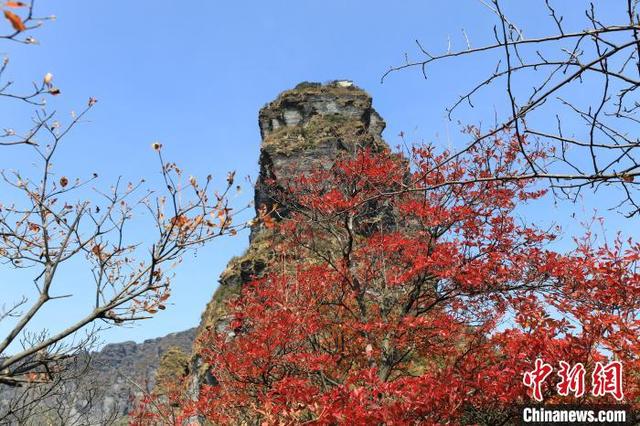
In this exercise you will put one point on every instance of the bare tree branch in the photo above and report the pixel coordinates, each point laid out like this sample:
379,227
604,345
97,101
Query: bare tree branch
602,148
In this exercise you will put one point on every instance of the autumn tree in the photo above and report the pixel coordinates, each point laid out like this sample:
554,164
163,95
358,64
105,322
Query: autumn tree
50,219
535,78
415,307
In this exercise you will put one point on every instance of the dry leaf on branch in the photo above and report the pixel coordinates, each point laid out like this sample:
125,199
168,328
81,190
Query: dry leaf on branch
16,21
15,4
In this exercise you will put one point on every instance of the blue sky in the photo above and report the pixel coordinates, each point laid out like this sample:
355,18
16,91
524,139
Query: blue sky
193,76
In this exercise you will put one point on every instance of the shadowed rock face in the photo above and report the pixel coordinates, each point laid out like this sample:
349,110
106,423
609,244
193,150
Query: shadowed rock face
302,129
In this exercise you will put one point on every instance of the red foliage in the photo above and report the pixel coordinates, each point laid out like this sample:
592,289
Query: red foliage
422,306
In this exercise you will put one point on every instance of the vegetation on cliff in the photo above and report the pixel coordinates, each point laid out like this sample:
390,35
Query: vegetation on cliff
372,296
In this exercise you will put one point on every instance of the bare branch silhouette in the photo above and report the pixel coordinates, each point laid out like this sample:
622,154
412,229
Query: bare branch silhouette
591,143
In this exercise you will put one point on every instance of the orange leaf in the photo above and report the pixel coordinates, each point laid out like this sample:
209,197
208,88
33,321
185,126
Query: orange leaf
179,221
15,4
96,250
15,20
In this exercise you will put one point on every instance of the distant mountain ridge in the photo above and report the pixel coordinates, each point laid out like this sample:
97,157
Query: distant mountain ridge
117,364
118,375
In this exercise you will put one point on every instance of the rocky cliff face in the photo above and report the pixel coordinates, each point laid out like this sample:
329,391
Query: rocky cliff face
305,128
302,129
122,367
105,384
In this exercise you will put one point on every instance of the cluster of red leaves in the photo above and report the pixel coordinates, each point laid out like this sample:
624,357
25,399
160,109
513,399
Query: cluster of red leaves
162,406
400,300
